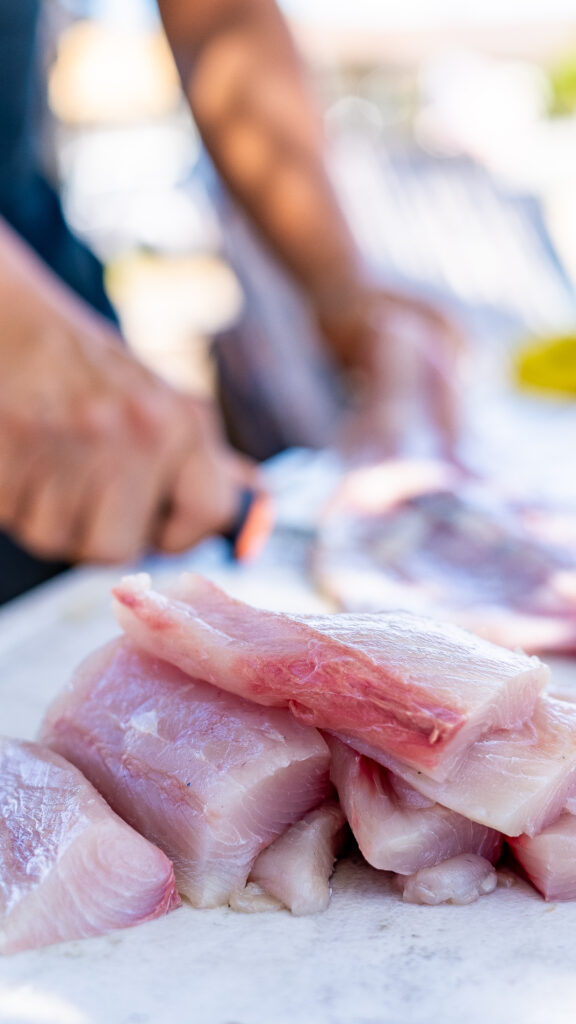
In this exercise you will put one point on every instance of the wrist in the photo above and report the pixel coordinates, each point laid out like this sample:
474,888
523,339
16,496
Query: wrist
350,322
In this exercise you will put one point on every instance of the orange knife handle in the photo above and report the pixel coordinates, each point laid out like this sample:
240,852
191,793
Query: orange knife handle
253,525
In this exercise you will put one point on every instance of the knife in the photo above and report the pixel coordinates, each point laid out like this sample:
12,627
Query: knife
252,525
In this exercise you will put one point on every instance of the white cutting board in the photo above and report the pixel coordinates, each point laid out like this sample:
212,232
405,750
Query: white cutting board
369,959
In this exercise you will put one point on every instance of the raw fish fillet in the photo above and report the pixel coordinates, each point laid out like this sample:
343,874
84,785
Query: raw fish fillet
393,831
207,776
549,859
417,535
296,868
514,781
409,686
460,880
570,804
252,899
69,867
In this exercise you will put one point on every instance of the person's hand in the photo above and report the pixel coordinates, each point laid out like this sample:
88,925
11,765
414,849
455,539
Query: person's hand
403,358
98,457
205,491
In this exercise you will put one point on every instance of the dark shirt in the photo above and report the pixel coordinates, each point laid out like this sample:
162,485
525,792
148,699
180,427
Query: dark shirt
27,200
31,206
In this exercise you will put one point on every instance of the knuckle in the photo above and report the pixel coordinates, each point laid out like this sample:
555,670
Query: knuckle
96,420
148,414
157,418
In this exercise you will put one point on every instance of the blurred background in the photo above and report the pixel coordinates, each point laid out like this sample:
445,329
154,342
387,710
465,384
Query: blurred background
452,132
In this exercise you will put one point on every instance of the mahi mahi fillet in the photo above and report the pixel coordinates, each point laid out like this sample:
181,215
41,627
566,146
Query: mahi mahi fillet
209,777
411,687
296,869
515,781
69,867
395,827
460,880
549,859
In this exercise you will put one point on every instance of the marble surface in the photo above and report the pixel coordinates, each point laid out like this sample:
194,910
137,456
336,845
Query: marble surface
369,959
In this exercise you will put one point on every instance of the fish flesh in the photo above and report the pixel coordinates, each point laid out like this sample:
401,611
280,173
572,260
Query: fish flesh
418,535
207,776
393,830
253,899
460,880
411,687
549,859
296,868
69,867
515,781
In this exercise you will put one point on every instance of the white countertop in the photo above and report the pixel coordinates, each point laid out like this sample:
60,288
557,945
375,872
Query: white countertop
369,959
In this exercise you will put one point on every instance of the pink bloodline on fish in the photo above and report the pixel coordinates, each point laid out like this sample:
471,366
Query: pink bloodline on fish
418,689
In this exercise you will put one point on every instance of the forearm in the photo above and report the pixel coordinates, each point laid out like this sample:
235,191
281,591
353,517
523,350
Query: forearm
250,99
33,300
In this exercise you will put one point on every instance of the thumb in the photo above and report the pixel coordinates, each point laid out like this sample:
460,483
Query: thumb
205,498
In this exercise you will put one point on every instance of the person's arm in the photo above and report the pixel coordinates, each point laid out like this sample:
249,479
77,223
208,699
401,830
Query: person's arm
98,457
249,95
250,98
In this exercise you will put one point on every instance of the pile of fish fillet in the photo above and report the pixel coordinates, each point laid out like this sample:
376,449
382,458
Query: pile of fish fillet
226,755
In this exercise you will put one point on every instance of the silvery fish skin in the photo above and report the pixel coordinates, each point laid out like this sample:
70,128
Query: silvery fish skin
393,830
209,777
69,867
408,686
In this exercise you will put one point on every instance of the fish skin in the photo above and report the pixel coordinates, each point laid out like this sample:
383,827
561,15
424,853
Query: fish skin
460,880
69,867
515,781
296,868
392,833
207,776
406,685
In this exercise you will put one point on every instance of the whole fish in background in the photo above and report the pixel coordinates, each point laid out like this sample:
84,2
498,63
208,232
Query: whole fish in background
419,535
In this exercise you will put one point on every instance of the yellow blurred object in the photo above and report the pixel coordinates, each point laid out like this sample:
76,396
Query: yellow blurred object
168,307
104,75
548,364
